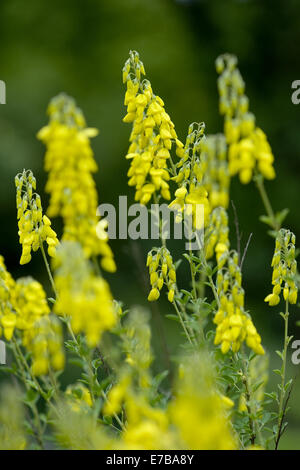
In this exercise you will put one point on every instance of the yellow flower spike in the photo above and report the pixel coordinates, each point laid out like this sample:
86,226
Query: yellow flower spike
161,269
249,150
234,326
34,227
70,163
82,296
284,267
152,135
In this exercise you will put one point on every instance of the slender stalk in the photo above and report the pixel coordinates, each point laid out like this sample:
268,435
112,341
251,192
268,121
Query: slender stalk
266,201
182,315
281,410
48,268
21,361
248,402
213,288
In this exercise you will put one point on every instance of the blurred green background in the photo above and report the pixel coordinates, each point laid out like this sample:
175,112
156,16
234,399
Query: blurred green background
80,46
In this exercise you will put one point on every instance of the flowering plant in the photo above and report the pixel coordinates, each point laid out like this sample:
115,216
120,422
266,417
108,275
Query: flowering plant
213,394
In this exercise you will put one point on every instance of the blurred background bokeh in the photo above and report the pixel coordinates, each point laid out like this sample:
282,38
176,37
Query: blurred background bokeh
80,46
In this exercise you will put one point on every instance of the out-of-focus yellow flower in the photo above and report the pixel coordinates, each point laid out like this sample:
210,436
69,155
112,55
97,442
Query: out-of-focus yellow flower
82,296
34,227
148,427
198,411
30,302
249,150
8,316
79,397
70,163
45,343
152,135
12,418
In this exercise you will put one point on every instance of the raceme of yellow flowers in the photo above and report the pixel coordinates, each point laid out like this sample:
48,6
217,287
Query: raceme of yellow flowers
152,135
189,176
216,177
34,227
161,271
217,234
24,308
70,163
234,325
83,296
249,150
284,269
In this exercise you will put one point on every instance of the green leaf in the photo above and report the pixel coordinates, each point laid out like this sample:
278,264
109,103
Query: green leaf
173,317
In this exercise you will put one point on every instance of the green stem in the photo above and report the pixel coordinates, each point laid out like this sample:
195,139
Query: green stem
248,400
266,201
48,268
283,375
213,288
182,314
36,417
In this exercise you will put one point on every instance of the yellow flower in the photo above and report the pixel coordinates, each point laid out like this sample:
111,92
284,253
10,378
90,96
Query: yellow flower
82,296
190,169
45,343
70,163
218,235
152,134
197,410
249,151
161,271
34,227
284,269
234,326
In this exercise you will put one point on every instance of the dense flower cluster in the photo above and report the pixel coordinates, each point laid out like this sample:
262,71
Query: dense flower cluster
152,135
284,269
82,295
189,176
24,307
217,235
249,150
70,163
8,317
45,343
161,271
34,227
234,325
198,401
30,302
216,177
